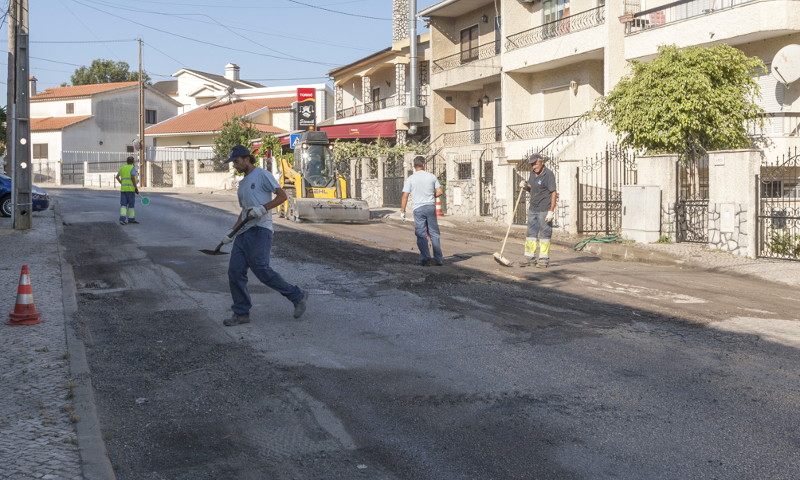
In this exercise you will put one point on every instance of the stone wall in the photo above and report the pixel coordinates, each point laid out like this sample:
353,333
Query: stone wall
462,197
728,227
371,192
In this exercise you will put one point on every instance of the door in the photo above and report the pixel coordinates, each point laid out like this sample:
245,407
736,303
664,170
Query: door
469,44
556,103
498,35
475,123
376,99
498,119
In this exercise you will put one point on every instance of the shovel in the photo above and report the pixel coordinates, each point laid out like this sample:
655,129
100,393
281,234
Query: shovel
499,258
232,234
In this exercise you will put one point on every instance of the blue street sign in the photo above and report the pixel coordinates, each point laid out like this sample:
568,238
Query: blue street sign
293,138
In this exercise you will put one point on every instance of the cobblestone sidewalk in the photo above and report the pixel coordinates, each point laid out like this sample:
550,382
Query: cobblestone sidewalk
37,434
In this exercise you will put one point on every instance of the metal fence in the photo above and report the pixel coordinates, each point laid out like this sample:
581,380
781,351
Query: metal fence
600,181
778,221
487,50
44,171
677,11
545,128
569,24
691,209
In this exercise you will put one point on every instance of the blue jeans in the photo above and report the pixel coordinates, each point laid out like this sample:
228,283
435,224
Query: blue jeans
251,250
426,224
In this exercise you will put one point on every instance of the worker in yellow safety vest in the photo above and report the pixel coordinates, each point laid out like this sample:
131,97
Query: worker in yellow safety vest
127,196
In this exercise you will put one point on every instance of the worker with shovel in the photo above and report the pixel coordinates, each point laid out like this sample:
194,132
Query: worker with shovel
542,186
252,238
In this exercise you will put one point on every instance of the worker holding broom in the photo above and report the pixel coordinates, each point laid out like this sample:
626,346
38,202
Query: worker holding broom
542,186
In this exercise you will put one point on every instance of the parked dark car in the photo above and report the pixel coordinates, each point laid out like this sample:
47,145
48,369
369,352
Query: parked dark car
41,200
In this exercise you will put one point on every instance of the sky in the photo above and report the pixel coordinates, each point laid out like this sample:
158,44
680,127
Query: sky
274,42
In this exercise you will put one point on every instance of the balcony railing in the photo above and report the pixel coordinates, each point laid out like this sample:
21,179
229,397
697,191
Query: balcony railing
677,11
450,62
472,137
546,128
570,24
381,104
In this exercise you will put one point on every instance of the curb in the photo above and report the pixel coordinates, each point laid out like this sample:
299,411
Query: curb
95,463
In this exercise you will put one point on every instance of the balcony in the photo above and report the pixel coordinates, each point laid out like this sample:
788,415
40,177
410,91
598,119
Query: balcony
579,40
778,124
567,126
677,11
472,137
703,22
468,69
570,24
380,105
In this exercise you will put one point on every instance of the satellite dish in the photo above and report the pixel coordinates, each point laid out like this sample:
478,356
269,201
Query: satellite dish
786,64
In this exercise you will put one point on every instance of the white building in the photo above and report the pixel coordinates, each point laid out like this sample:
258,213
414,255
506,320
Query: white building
97,117
194,88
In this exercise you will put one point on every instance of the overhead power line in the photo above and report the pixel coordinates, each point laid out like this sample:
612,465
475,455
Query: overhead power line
338,11
203,42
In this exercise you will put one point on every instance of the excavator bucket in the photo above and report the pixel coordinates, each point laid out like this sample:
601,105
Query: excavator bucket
347,210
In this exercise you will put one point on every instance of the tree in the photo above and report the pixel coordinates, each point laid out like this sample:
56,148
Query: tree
235,131
685,100
105,71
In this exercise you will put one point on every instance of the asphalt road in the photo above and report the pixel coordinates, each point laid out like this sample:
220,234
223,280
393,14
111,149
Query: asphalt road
590,369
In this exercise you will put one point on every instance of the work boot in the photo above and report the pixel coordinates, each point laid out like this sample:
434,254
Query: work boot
123,222
525,263
543,263
439,263
236,320
423,263
132,221
300,306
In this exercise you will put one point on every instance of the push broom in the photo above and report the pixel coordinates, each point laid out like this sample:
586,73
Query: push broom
498,256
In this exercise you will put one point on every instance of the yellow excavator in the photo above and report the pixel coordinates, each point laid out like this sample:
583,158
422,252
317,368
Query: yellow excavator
316,191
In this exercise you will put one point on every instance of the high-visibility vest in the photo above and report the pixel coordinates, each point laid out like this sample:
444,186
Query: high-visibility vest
125,176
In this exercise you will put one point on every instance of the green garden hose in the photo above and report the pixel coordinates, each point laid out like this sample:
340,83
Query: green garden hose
609,239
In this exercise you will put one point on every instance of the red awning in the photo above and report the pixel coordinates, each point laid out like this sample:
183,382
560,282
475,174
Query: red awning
385,129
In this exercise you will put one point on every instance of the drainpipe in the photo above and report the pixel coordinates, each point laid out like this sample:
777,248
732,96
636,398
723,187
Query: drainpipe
412,36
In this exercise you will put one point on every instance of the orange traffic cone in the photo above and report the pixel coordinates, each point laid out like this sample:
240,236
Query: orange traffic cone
439,208
24,311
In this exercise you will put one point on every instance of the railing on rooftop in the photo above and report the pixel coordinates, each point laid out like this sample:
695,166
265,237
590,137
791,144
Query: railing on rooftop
487,50
677,11
569,24
376,105
567,126
471,137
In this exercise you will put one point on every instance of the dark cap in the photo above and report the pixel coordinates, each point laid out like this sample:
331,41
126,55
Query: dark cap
532,158
236,152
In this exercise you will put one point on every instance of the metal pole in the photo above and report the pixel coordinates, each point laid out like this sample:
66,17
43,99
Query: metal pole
413,60
142,148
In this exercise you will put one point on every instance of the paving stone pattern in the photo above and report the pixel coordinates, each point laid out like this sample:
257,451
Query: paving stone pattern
37,436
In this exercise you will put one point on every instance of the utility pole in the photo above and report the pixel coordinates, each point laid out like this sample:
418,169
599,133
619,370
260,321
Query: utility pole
18,113
142,147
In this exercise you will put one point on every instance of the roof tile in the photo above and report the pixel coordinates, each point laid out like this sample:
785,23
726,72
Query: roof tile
210,119
80,90
55,123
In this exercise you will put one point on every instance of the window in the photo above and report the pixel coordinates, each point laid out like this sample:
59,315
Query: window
40,151
129,149
70,108
150,116
464,171
469,44
554,13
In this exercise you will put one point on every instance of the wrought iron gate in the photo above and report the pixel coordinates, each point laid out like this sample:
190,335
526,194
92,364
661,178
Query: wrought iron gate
691,209
161,174
393,181
600,180
72,173
778,200
487,186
